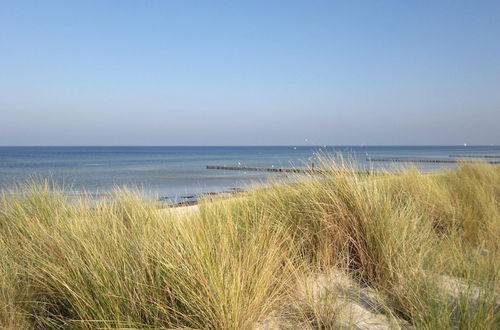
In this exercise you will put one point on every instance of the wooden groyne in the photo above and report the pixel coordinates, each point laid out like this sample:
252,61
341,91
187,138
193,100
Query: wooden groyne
265,169
452,161
475,156
187,200
311,170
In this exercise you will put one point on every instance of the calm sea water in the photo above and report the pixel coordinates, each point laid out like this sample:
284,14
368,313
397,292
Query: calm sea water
178,171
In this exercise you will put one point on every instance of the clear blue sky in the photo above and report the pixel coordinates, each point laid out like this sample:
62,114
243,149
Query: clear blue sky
249,73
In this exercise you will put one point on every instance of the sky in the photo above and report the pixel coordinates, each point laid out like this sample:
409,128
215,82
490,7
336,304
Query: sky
249,72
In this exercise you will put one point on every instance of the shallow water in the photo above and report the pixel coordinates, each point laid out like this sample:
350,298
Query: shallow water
180,171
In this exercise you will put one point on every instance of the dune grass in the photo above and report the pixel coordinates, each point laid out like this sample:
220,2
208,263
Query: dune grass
425,247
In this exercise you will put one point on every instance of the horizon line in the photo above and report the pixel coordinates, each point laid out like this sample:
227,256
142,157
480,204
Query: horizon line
256,145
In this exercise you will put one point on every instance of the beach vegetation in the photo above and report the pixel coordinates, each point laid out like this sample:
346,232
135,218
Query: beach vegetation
340,249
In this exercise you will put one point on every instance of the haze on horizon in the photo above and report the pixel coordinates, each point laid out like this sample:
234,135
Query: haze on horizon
249,73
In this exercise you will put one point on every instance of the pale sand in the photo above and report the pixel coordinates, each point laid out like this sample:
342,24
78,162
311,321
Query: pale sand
183,210
178,211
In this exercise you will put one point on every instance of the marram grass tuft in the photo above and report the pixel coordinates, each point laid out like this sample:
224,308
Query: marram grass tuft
424,247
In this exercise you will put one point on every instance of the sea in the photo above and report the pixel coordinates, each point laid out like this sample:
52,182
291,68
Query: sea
177,174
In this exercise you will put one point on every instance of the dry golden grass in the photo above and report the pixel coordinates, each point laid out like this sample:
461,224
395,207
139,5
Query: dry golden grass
426,244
